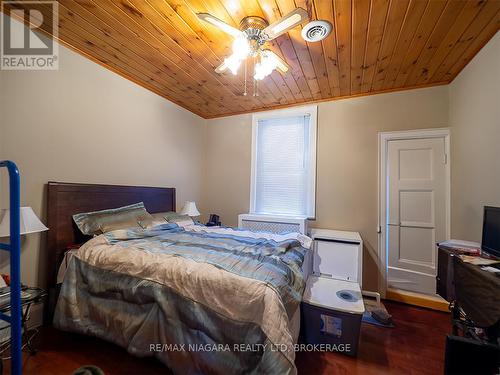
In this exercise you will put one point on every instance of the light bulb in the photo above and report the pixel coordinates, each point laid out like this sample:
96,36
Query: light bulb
259,72
232,63
241,48
262,70
265,67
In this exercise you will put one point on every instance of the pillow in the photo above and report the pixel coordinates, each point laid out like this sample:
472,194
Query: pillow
174,217
115,225
90,223
152,221
165,217
161,216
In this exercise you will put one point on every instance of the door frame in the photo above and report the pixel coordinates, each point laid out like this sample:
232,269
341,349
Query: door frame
383,143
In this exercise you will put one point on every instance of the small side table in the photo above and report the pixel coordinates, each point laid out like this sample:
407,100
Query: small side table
29,297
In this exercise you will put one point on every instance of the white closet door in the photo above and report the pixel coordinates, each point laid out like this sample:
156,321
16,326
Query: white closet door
416,212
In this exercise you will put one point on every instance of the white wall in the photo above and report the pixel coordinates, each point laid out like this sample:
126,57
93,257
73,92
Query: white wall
475,143
347,181
84,123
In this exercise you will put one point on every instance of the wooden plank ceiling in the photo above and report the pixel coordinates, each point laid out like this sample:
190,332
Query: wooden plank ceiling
376,46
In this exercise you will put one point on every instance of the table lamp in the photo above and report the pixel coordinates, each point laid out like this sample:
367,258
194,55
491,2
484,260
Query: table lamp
30,223
190,209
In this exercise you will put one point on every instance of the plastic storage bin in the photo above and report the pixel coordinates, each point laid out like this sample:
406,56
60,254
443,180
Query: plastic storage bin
331,314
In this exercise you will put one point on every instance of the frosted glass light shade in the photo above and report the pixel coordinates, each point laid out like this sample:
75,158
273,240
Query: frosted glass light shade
30,223
190,209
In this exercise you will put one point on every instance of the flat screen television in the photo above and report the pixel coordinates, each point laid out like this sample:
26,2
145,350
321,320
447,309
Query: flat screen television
491,231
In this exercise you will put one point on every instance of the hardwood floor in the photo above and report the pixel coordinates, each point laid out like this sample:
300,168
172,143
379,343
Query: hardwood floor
415,345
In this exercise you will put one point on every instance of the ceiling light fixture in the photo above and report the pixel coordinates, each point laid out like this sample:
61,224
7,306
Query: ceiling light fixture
269,61
232,63
241,47
249,41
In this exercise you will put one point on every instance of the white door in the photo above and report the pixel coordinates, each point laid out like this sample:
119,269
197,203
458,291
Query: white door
416,212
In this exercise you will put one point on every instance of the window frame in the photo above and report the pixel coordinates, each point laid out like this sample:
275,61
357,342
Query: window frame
312,111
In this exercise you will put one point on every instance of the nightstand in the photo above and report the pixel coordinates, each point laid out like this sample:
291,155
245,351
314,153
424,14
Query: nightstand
29,297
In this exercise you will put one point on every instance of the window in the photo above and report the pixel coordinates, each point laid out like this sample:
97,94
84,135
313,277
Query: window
284,162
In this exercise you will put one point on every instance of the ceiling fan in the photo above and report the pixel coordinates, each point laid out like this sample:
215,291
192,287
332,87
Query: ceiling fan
250,39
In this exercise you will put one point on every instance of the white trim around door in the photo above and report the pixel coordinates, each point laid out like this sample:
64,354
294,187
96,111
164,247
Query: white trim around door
383,141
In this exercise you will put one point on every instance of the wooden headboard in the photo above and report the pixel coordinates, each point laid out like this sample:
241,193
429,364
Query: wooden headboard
66,199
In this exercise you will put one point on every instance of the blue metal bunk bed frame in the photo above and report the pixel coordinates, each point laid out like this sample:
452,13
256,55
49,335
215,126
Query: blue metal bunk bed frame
14,249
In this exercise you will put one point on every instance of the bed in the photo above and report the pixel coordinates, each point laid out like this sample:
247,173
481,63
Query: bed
200,300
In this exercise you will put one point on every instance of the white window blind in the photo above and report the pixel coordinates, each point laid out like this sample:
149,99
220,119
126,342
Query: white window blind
284,165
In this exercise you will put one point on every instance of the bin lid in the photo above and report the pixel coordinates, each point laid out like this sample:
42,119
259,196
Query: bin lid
334,294
336,235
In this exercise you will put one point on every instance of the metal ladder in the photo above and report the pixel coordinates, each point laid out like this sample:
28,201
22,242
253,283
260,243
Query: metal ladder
14,248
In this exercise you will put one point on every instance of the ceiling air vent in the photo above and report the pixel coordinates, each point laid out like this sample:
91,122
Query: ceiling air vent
316,30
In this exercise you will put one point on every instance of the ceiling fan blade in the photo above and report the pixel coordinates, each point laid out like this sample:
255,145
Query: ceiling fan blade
219,24
221,68
280,64
287,22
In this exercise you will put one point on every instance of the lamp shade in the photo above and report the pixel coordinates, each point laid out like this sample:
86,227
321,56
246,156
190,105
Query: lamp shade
30,223
190,209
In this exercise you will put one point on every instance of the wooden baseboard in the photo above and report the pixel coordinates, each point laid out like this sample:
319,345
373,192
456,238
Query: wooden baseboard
417,299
